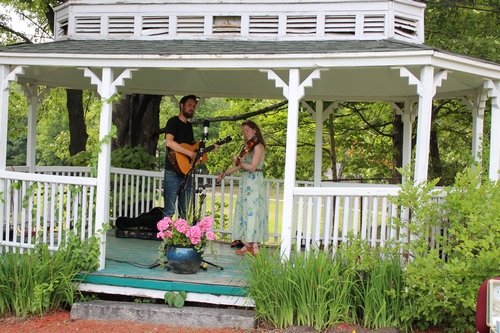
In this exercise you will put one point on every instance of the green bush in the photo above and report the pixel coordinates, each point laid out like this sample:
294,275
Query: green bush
454,248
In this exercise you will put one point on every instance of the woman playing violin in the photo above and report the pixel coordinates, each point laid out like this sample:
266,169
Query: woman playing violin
250,216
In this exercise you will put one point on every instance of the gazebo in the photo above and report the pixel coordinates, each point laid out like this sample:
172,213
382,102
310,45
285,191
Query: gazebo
299,50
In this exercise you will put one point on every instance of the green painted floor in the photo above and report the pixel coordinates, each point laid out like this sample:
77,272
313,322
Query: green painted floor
128,262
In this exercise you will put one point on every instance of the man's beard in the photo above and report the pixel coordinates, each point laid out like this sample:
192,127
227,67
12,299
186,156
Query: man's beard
187,114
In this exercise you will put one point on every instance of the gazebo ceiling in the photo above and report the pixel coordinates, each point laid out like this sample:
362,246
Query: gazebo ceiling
350,70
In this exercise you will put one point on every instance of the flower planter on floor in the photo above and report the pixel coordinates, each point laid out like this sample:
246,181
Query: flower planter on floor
183,260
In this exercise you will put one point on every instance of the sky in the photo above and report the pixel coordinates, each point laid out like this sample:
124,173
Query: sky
17,23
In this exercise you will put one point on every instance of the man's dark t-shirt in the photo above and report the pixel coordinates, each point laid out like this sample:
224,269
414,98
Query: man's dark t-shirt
182,132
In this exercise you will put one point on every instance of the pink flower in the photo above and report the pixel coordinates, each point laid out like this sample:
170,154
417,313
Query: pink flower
164,223
180,232
181,225
195,240
194,232
206,223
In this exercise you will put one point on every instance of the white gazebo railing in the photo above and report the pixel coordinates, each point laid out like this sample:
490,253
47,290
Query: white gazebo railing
327,214
57,198
38,205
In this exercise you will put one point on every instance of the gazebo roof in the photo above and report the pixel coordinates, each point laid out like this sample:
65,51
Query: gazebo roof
213,46
353,70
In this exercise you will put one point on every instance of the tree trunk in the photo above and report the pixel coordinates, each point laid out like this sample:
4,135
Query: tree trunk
137,119
397,145
77,128
333,155
435,158
435,165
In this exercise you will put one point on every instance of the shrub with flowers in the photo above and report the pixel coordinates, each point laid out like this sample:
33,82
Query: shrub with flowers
180,233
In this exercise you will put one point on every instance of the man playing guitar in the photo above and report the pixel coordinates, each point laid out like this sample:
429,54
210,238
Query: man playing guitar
179,130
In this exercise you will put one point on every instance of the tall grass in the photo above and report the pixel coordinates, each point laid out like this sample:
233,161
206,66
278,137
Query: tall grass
311,289
35,282
380,291
320,290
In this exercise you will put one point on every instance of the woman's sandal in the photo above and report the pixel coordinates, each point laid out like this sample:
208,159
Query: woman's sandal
244,250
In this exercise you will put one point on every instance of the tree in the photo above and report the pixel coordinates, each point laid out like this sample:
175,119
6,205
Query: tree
465,27
272,119
40,15
137,121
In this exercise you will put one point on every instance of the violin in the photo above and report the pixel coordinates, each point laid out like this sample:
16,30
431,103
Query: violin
246,149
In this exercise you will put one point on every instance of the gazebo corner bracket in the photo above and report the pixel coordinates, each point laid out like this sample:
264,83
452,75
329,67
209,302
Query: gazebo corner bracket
12,76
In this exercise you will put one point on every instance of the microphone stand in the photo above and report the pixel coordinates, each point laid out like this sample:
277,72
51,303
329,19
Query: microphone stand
191,175
192,205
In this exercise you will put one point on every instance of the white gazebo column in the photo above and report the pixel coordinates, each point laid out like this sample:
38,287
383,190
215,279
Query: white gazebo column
294,93
106,88
477,108
7,77
493,88
426,89
290,160
104,158
424,124
4,117
32,96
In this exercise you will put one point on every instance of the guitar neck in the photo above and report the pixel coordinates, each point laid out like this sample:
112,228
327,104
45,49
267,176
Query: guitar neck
209,149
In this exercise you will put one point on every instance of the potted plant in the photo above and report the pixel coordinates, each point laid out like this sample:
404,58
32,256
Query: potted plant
184,244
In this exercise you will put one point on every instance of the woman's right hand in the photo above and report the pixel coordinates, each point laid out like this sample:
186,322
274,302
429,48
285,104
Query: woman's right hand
221,177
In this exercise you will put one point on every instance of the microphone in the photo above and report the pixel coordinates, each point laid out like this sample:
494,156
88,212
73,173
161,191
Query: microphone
206,123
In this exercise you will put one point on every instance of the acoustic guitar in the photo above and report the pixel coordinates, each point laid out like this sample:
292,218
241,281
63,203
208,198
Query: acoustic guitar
182,163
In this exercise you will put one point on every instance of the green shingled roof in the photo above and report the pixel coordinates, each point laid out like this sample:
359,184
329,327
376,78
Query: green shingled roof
194,47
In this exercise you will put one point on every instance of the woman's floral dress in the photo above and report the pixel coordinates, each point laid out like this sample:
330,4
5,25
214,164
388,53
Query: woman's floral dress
250,215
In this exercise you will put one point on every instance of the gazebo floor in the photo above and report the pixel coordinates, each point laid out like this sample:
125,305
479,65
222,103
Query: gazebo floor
131,269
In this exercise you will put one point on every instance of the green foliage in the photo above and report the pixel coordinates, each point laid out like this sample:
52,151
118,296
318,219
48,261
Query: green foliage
144,300
175,298
52,129
33,282
356,285
273,126
363,140
380,293
18,122
467,28
450,236
133,158
453,246
221,220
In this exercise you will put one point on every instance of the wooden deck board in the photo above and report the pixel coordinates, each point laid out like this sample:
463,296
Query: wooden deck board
128,262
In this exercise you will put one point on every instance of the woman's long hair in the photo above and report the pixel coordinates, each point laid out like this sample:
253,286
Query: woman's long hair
255,127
